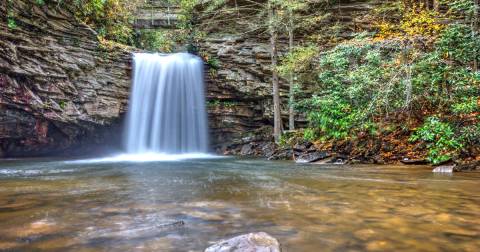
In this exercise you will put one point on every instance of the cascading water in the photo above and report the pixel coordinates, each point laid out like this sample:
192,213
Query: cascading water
167,105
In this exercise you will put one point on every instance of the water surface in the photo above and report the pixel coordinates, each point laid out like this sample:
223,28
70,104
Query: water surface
57,205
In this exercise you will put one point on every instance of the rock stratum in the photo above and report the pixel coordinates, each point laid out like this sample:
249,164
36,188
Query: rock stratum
60,88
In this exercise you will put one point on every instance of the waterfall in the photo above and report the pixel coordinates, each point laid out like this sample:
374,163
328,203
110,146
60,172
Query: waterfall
167,105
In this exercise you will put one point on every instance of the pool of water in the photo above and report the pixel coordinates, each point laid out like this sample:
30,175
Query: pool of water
115,205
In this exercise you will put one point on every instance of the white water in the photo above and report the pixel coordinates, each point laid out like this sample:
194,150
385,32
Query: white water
167,112
146,157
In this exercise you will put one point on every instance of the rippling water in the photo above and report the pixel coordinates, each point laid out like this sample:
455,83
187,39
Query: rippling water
113,205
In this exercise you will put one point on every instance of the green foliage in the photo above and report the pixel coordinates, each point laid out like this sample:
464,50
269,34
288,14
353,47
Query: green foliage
220,103
188,32
466,105
287,139
470,135
461,8
112,19
155,40
444,76
309,134
458,44
40,2
62,104
440,138
213,63
11,23
298,60
364,81
331,116
355,82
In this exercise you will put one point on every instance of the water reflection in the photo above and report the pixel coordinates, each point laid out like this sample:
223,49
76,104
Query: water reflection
52,205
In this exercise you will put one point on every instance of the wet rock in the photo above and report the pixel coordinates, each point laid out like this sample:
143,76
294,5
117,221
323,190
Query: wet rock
247,150
325,161
378,160
282,154
472,166
340,159
253,242
445,169
340,162
409,161
312,157
302,147
268,149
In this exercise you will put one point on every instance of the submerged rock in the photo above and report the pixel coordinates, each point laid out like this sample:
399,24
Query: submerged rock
253,242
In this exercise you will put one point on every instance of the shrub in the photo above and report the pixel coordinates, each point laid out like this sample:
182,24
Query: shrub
440,138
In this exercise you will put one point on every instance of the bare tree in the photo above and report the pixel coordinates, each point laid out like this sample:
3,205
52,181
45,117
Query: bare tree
273,30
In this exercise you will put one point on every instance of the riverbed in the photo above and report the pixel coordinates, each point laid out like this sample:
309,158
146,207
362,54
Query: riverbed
186,205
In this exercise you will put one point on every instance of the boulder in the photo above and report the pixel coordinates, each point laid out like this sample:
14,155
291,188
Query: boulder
445,169
302,147
282,154
253,242
247,150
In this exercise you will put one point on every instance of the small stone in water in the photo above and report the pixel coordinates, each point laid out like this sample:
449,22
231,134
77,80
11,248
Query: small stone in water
253,242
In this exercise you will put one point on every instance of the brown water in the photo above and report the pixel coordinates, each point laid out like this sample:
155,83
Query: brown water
49,205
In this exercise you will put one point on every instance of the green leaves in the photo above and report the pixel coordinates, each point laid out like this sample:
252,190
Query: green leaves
458,44
440,137
11,23
298,60
362,82
155,40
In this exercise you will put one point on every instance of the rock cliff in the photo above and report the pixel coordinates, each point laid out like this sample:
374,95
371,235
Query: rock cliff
60,88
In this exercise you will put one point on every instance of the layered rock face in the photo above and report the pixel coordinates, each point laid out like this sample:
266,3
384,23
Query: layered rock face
240,91
60,89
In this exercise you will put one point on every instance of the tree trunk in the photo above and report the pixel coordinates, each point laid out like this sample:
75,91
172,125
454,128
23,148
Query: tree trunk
436,5
475,32
277,117
291,112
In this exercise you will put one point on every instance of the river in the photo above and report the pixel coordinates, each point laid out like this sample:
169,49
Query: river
112,205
